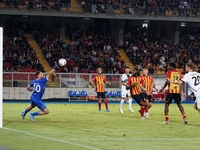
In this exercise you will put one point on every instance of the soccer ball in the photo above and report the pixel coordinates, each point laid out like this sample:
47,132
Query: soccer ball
62,62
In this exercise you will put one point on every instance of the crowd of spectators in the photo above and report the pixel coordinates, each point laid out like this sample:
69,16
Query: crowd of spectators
154,50
88,48
85,51
139,7
17,53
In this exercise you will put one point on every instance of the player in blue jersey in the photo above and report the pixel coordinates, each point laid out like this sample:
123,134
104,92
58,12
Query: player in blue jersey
38,87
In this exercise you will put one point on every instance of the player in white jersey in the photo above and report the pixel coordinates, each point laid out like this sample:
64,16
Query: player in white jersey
124,91
193,80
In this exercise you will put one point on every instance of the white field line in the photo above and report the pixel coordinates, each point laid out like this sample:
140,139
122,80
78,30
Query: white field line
138,139
131,119
63,141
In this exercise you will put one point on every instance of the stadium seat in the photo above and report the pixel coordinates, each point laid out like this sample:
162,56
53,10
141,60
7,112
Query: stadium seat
83,93
119,94
77,93
113,94
107,94
71,94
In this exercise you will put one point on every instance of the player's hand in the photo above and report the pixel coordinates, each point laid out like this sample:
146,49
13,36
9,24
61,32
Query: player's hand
170,80
55,66
31,89
95,89
184,95
109,83
134,84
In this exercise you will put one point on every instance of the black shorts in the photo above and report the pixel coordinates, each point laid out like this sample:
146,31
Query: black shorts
101,95
148,97
138,98
170,96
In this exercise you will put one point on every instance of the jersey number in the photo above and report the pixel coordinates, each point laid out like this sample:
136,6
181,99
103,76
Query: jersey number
176,78
196,80
37,88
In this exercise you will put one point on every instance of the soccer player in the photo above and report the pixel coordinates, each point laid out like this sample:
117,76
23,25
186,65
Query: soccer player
36,97
173,92
134,83
147,81
193,80
99,88
125,92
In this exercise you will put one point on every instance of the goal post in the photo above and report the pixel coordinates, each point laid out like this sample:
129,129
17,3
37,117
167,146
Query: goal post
1,77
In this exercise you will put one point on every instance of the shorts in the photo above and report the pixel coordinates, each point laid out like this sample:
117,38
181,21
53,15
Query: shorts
125,93
38,103
170,96
138,98
101,95
148,97
197,102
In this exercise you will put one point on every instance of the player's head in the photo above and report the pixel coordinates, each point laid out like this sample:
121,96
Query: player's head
189,67
39,74
127,69
99,71
145,71
154,86
172,66
135,72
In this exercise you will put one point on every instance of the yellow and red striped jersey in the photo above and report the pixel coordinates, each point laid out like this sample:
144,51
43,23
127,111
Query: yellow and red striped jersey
99,82
174,76
136,89
147,82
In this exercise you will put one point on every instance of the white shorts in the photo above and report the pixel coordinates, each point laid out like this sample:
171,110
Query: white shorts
125,93
197,102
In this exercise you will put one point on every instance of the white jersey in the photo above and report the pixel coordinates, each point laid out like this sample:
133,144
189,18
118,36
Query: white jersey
193,80
125,79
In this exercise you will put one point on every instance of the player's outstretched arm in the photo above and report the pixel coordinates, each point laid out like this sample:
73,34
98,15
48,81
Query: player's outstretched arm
52,71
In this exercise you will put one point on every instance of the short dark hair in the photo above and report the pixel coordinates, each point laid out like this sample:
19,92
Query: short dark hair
172,65
138,74
37,73
190,65
146,68
127,66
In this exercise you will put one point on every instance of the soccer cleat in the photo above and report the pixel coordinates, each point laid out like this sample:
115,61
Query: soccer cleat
108,110
185,121
130,109
121,111
166,122
142,118
32,117
147,116
23,115
100,110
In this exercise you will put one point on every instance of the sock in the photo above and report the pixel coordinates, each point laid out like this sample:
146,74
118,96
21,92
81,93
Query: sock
35,114
142,111
99,105
106,104
146,110
129,103
121,104
166,118
184,116
26,111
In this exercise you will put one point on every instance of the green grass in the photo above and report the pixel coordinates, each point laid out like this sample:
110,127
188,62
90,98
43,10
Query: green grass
83,124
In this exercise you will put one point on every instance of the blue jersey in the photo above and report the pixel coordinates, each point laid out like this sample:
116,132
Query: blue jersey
39,88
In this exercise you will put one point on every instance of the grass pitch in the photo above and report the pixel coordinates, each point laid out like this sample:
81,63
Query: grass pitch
81,126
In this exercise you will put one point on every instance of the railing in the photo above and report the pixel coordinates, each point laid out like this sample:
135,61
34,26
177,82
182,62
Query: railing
115,8
68,80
